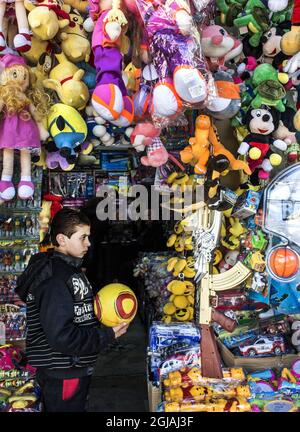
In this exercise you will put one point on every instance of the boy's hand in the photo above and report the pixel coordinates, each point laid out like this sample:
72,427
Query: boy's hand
120,329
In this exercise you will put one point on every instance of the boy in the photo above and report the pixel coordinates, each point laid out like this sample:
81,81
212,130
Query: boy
63,334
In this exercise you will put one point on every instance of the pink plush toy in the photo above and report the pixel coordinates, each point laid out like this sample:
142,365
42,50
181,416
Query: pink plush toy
175,56
147,135
218,46
110,98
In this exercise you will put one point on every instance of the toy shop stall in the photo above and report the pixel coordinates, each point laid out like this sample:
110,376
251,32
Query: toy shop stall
174,126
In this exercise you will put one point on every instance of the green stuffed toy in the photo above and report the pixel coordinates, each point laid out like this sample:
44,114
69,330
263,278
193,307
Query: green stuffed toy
268,88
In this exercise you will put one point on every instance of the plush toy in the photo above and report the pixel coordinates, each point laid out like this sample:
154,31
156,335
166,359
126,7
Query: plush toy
157,155
75,43
89,77
110,98
229,9
147,135
46,18
271,41
175,55
68,130
290,42
261,123
227,102
102,132
23,109
198,151
55,160
15,9
55,203
180,305
245,69
268,88
65,79
229,260
219,46
38,47
286,132
44,218
81,5
42,70
255,17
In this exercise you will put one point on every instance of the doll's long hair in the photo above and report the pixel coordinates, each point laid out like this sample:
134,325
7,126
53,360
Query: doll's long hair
15,101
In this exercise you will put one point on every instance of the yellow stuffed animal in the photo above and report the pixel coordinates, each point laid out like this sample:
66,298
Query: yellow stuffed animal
75,43
65,79
46,19
180,306
44,218
38,47
80,5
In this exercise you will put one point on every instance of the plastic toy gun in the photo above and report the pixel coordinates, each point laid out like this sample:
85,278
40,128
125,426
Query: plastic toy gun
206,238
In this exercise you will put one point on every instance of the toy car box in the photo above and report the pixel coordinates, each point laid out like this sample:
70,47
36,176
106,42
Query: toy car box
251,364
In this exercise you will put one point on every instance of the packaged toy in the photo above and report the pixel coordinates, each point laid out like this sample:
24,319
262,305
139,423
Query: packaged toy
192,375
176,56
247,204
236,404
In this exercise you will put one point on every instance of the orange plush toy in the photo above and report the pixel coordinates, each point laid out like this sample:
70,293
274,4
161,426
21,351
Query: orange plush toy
205,143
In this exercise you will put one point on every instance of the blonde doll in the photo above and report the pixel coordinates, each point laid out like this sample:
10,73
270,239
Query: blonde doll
22,109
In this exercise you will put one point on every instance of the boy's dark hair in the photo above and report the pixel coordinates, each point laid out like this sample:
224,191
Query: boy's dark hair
65,222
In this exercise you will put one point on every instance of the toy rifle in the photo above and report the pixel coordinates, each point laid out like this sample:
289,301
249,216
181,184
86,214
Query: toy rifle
206,237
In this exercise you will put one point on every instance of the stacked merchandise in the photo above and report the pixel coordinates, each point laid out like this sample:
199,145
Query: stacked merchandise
18,390
19,241
245,240
66,97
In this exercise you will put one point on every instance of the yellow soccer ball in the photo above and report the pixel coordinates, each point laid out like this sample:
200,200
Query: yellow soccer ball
114,304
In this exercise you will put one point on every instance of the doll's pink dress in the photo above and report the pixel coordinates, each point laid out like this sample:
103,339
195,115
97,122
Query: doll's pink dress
16,133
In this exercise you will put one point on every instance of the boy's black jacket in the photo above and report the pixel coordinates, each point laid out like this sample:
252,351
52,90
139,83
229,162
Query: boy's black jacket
62,330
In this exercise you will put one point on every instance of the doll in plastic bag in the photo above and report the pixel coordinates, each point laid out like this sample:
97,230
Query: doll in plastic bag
175,52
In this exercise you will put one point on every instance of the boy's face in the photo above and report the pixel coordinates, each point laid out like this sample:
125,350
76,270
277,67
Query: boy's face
77,245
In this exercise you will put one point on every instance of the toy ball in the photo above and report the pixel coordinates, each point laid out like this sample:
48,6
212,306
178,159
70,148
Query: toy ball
115,304
284,262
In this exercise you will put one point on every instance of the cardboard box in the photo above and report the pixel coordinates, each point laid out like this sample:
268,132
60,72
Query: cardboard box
154,396
251,364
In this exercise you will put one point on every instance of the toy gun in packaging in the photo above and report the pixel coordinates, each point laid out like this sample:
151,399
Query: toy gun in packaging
207,227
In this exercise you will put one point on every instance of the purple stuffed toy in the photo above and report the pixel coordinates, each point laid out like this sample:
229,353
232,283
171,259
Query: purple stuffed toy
110,98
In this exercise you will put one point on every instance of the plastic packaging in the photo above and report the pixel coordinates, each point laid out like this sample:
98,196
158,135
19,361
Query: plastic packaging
189,376
174,44
237,404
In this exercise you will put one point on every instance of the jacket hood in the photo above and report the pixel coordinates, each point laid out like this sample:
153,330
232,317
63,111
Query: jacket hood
39,269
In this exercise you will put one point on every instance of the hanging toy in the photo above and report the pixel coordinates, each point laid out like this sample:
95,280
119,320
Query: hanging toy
21,125
110,98
198,151
15,9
